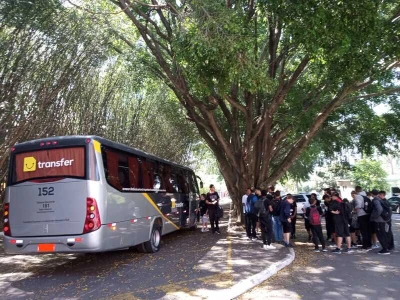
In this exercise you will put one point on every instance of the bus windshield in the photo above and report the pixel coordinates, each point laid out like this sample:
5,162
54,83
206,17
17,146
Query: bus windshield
41,164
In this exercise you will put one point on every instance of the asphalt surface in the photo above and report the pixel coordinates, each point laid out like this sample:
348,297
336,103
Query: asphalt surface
105,275
190,265
359,275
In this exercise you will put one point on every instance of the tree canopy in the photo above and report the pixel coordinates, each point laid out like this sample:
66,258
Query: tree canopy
267,84
62,74
262,79
369,174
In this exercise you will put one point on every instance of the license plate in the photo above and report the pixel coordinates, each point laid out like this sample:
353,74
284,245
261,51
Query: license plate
46,248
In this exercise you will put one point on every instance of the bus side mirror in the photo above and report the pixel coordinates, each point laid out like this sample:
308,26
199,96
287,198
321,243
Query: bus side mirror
201,184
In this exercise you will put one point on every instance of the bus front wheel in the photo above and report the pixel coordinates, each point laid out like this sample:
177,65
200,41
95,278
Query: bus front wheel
153,245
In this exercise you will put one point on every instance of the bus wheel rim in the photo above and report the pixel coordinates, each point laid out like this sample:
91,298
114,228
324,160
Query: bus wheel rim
156,238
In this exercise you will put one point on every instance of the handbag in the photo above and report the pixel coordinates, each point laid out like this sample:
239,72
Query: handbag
220,212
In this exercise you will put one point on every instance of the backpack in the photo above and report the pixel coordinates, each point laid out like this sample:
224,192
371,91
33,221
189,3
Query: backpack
314,217
347,211
276,207
250,204
260,207
367,205
386,212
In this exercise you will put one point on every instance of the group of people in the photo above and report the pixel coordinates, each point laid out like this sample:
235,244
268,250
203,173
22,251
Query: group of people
275,217
365,219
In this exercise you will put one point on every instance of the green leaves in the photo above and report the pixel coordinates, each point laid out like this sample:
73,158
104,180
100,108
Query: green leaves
370,175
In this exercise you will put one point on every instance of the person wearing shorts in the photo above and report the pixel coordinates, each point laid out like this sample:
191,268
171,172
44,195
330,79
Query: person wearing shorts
341,224
286,214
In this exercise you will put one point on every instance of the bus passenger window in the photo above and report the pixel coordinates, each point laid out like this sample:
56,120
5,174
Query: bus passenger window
123,171
111,168
133,166
147,174
157,182
174,182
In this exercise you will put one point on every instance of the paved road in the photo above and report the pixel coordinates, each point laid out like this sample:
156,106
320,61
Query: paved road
190,265
125,274
330,276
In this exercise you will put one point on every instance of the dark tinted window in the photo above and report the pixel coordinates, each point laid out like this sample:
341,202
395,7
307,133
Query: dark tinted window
121,169
299,199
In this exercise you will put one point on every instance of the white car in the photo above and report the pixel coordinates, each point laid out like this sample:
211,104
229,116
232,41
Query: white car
302,201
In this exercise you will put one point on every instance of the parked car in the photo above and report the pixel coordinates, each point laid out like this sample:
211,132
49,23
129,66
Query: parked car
395,204
302,200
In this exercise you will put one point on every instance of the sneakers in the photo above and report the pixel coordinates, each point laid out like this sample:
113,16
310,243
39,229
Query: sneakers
324,250
354,247
375,246
289,245
269,247
384,252
317,250
337,251
348,250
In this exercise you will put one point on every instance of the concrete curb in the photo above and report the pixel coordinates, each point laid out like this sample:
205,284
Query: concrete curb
252,281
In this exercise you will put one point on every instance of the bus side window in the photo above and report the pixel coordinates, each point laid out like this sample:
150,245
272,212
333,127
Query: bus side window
193,184
174,182
183,184
157,179
111,168
167,179
147,174
123,171
133,166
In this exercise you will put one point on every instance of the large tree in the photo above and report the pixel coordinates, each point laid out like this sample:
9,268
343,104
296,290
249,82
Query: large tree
260,79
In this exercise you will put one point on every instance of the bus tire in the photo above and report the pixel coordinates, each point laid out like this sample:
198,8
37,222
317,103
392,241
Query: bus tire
154,244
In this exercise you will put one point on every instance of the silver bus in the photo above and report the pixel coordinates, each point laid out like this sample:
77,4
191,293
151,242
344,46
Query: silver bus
88,194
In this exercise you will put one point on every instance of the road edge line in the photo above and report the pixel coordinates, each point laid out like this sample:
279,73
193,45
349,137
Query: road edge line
246,284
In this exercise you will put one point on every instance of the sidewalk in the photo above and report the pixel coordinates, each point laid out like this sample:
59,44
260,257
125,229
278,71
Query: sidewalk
231,266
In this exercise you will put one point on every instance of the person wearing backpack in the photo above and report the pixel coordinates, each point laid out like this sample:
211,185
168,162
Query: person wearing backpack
276,212
361,207
378,216
313,214
341,216
386,204
286,214
251,215
265,219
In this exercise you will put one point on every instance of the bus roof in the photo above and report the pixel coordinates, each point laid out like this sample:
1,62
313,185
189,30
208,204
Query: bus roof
74,139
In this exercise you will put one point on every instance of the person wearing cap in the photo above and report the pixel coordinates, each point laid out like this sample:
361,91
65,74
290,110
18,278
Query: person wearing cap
380,224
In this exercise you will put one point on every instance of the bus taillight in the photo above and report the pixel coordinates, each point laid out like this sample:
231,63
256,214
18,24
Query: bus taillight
6,219
92,221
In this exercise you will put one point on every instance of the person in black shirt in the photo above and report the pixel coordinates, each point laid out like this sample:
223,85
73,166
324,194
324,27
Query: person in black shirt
293,208
265,218
212,201
286,215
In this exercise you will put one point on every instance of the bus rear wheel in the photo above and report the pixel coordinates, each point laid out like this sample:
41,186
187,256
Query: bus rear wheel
154,244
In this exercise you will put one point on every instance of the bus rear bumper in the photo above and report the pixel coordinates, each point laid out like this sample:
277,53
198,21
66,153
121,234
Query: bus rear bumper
90,242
